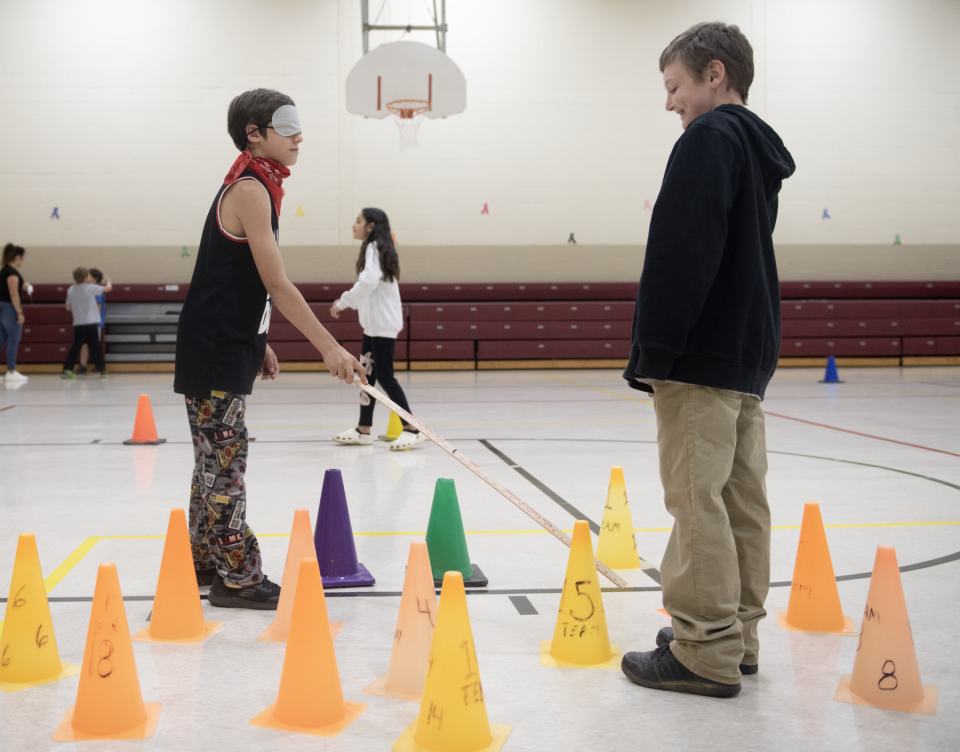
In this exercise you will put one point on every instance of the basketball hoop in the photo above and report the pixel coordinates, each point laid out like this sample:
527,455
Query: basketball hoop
409,115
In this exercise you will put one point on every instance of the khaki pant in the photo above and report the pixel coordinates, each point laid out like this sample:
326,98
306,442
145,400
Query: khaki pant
716,569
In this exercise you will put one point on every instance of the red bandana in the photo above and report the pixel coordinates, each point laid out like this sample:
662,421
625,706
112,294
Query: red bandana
270,172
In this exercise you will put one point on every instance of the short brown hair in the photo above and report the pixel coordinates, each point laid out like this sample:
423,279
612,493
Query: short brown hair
10,252
256,106
700,44
80,274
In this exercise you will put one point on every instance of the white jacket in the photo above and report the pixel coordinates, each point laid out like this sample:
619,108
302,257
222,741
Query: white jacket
378,302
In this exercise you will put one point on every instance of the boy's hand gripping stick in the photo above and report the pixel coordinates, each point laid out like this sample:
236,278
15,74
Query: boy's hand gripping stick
475,469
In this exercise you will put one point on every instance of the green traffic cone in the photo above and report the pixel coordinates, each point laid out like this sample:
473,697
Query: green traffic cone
446,541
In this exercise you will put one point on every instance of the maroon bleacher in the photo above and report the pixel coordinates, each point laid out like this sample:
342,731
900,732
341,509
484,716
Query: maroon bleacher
567,321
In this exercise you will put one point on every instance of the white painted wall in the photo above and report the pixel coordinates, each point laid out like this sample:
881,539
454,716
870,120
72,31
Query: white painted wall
115,112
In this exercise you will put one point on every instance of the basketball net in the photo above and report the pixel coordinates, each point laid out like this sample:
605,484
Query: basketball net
409,114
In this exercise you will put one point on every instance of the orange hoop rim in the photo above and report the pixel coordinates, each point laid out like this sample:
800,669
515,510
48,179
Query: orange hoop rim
407,109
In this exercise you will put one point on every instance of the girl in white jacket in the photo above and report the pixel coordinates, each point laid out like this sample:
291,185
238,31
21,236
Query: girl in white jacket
376,295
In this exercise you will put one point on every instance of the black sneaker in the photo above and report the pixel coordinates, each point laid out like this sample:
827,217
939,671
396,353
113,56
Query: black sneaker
659,669
665,637
264,596
205,577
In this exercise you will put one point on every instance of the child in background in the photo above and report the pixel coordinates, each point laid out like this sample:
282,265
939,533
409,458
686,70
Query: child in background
95,277
377,296
82,303
706,338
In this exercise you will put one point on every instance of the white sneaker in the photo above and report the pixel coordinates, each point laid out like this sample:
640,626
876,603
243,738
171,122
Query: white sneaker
406,440
353,436
15,376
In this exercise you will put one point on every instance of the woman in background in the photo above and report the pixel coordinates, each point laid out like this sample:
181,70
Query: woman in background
376,296
11,308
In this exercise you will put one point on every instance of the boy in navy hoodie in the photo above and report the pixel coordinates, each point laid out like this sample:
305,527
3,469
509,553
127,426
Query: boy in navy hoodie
706,338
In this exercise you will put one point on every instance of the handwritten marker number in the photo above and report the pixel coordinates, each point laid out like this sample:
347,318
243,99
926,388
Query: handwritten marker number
889,679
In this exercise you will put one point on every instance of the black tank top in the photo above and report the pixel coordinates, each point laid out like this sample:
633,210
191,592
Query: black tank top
222,332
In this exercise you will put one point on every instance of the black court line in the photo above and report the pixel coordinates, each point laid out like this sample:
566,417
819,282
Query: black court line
652,572
566,505
523,605
522,591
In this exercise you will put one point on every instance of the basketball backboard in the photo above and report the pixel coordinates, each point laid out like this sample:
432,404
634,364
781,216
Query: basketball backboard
406,71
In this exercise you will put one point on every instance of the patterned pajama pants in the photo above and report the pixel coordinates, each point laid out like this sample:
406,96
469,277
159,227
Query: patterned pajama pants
218,497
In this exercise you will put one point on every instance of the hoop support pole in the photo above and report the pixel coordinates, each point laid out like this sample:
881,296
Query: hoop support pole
476,470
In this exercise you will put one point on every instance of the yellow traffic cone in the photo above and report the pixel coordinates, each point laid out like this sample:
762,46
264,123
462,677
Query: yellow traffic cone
580,639
394,428
28,647
414,633
453,713
885,670
617,546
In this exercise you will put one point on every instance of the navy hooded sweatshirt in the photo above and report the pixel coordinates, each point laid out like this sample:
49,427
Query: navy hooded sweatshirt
708,307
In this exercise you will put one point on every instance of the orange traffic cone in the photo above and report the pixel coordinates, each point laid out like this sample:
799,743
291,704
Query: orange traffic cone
28,646
310,700
453,712
580,637
414,633
814,599
177,612
144,429
301,547
885,670
109,704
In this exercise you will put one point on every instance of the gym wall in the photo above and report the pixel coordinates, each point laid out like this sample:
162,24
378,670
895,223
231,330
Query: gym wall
115,115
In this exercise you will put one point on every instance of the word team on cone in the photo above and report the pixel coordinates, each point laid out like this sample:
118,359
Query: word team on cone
414,633
580,638
109,703
885,670
333,540
814,599
310,699
453,711
28,646
617,544
446,539
301,547
144,428
177,612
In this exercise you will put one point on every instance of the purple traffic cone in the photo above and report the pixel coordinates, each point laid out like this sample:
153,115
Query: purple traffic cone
333,539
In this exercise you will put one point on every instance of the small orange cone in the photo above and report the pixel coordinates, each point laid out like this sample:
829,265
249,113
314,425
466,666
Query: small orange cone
144,429
28,646
580,637
301,547
109,704
814,599
177,613
453,711
310,700
414,633
885,671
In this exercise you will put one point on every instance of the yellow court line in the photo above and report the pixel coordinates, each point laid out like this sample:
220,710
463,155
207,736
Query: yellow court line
597,389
